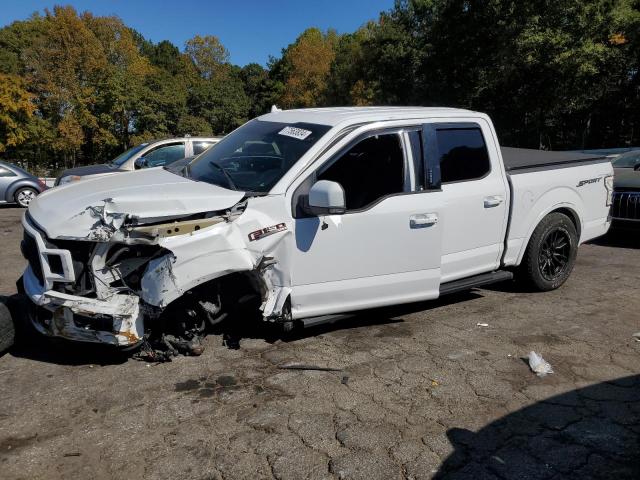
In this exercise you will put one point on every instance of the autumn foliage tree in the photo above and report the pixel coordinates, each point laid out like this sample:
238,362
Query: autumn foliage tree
80,88
16,108
306,66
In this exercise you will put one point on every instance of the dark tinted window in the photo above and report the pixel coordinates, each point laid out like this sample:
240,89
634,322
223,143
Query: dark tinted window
5,172
370,170
164,155
463,154
199,147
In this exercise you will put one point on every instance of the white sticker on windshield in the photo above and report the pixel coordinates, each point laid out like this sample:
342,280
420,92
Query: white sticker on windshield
299,133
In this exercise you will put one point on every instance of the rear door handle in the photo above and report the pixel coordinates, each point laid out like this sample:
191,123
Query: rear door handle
422,220
493,201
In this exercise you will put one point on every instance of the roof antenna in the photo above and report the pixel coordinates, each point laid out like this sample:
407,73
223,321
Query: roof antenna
275,109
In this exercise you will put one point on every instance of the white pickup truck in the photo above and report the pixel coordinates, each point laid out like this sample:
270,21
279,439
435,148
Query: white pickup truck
306,214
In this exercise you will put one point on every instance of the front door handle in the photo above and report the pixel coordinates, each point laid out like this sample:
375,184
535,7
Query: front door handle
493,201
422,220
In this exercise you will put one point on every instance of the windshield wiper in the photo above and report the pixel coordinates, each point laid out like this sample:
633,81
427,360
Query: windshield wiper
226,174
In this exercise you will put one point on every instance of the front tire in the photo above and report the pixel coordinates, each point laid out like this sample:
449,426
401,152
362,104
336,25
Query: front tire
551,253
25,196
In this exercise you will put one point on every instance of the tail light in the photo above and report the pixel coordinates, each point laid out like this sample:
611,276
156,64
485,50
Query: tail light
608,184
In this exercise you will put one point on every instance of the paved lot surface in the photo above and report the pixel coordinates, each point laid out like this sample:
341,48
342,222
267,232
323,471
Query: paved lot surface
422,392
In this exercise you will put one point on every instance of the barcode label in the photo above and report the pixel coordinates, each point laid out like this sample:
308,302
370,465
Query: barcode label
299,133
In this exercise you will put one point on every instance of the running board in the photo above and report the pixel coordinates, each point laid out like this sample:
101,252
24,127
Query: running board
324,319
445,288
475,281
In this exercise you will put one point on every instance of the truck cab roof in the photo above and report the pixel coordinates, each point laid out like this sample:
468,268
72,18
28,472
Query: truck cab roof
334,116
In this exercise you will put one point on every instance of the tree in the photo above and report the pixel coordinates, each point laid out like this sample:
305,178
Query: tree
350,81
194,126
121,86
222,103
207,54
255,80
307,65
16,108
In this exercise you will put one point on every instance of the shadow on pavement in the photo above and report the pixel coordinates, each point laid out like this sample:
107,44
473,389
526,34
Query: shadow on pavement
619,238
33,346
589,433
234,332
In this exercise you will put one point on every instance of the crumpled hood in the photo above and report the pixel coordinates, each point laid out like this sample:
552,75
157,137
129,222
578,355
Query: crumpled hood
70,211
626,178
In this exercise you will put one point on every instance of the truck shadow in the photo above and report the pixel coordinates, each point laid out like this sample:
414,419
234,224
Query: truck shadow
234,332
61,352
38,348
619,239
592,432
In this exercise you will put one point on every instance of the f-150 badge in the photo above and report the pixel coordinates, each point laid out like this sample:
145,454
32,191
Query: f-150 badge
258,234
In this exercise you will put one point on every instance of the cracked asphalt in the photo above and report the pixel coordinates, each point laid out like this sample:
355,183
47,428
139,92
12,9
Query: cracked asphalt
421,391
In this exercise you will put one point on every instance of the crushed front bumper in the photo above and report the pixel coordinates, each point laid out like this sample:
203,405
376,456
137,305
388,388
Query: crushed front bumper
116,321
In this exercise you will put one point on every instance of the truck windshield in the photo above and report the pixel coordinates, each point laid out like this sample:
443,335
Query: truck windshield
126,155
255,156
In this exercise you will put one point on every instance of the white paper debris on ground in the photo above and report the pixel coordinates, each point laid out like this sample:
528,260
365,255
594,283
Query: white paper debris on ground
539,365
480,324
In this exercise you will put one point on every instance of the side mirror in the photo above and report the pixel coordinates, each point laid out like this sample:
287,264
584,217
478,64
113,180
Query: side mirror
140,163
327,198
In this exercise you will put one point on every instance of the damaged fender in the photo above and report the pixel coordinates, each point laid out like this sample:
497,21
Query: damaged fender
223,249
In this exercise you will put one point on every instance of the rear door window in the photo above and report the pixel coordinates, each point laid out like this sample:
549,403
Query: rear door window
199,147
463,153
164,155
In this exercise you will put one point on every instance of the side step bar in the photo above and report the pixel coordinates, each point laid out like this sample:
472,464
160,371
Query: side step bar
445,288
475,281
324,319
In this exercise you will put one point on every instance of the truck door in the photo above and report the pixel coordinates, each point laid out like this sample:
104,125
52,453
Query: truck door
475,194
385,249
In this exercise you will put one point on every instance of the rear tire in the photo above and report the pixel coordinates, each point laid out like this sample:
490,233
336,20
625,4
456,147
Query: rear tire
7,329
551,253
25,196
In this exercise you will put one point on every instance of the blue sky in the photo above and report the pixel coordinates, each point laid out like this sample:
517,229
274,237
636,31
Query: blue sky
250,29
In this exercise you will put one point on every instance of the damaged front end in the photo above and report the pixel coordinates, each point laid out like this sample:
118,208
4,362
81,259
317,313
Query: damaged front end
132,279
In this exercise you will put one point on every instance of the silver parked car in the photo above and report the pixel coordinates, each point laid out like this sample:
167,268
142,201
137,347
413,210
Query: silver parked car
18,185
151,154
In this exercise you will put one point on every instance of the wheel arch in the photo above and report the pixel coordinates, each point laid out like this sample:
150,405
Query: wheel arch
568,209
10,192
573,216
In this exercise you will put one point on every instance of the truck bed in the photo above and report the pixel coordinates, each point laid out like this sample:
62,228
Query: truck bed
518,160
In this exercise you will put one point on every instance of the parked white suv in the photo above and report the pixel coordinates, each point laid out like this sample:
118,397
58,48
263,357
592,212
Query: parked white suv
157,153
305,214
